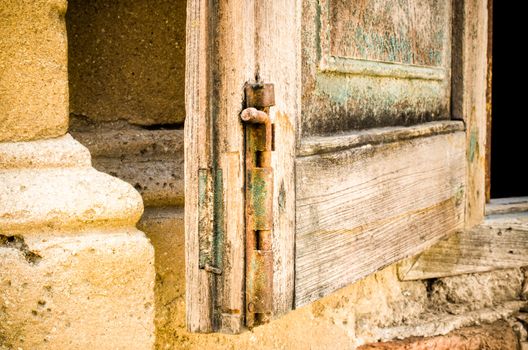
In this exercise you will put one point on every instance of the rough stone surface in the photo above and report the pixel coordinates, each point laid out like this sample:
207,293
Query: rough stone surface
164,228
496,336
44,154
33,70
459,294
149,160
119,139
127,60
84,291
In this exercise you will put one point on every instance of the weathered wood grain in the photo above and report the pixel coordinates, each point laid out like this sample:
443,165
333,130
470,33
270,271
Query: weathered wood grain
278,59
489,98
469,76
238,42
199,302
364,208
507,205
501,241
410,32
232,63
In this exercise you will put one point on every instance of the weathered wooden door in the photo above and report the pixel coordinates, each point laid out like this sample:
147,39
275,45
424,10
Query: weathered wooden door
380,162
369,160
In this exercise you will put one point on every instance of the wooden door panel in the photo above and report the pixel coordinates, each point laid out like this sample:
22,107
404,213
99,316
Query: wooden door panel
380,167
374,63
367,207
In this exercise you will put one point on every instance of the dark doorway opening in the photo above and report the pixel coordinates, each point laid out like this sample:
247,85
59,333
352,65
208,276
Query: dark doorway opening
509,127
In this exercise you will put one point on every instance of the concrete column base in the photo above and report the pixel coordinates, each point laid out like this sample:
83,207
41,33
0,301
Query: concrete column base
76,273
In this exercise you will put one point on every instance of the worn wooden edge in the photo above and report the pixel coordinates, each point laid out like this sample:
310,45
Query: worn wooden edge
197,151
233,61
278,61
326,144
507,205
500,242
489,100
380,69
469,87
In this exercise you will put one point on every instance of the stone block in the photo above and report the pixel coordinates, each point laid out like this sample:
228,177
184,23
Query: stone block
496,336
150,160
33,70
164,227
92,290
462,293
127,60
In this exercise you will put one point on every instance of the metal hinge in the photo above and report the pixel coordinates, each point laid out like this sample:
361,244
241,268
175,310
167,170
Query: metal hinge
259,208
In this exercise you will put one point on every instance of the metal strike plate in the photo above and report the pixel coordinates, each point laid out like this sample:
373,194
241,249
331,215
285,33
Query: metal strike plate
260,95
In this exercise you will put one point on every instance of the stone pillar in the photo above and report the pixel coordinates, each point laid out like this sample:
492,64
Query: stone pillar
75,272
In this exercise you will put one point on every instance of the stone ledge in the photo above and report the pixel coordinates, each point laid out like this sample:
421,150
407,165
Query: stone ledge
160,183
496,336
150,160
120,139
49,185
443,324
60,199
60,152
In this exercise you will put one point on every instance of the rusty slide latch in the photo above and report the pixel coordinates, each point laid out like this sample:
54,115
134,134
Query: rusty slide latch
259,204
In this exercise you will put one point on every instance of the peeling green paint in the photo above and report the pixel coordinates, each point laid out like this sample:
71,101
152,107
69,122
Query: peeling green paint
413,32
218,238
204,217
473,144
374,63
210,219
260,197
343,102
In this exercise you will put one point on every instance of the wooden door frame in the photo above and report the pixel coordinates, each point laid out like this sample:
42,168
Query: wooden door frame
469,86
229,44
